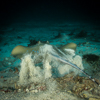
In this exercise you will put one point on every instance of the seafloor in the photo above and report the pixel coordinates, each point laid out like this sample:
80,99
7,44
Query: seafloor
69,87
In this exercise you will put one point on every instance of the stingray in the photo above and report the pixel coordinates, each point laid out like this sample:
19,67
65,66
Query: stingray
20,50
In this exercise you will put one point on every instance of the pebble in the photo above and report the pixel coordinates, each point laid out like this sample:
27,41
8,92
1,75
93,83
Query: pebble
6,58
34,91
27,90
19,90
9,63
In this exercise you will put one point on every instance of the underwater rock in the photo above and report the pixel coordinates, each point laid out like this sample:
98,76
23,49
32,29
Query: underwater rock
94,61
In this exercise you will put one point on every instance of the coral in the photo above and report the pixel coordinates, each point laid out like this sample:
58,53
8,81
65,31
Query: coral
28,72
